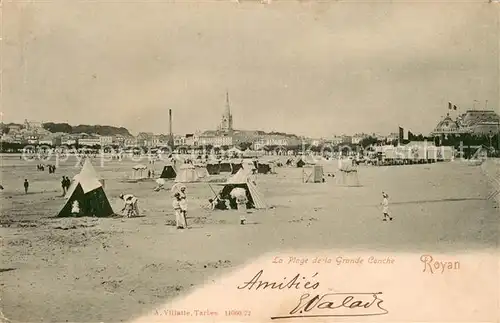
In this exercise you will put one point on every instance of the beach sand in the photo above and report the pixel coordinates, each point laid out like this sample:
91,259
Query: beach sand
116,269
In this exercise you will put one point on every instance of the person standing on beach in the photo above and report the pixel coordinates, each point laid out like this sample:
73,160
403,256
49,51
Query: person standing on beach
241,201
26,186
385,206
180,219
67,183
63,185
183,204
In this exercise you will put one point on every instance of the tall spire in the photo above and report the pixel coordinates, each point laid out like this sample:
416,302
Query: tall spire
228,110
227,118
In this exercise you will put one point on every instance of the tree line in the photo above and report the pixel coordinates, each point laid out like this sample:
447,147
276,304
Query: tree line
67,128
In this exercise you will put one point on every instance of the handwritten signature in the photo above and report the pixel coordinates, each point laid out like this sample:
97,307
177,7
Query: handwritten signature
344,304
320,305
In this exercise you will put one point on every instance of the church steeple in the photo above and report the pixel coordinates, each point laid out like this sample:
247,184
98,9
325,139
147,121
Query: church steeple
227,118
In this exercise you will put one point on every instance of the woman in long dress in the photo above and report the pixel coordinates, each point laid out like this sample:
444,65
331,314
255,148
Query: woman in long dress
180,218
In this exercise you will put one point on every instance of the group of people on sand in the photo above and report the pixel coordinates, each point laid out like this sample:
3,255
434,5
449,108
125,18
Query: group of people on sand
179,204
41,167
65,184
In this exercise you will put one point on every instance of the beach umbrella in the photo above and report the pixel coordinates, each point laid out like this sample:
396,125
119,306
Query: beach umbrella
238,192
177,187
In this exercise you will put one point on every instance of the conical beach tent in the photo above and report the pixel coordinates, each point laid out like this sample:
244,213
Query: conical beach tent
187,173
242,179
168,172
87,191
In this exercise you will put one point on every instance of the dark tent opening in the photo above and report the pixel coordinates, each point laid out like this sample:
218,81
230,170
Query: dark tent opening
168,172
226,194
263,168
225,168
213,169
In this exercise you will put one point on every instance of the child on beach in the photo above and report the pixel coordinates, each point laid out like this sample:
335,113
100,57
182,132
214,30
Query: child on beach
75,208
385,206
242,201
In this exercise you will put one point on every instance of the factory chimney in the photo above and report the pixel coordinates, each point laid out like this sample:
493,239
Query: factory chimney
170,122
170,134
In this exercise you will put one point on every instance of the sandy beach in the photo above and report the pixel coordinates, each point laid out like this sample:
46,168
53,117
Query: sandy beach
115,269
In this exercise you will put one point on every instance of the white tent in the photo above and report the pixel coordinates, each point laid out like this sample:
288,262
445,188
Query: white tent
187,173
87,178
347,174
138,171
312,174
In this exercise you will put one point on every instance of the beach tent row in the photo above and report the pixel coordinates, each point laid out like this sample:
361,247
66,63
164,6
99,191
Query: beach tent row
300,161
186,173
416,151
217,167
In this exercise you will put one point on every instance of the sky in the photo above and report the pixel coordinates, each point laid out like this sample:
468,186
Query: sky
304,67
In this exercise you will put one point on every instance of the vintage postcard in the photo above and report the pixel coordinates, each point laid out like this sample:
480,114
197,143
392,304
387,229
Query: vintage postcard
249,161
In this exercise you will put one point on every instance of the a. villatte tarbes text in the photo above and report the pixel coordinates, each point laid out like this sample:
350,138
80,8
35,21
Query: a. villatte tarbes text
202,312
340,260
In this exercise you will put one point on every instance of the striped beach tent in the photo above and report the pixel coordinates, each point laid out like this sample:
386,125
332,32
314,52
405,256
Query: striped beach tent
187,173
